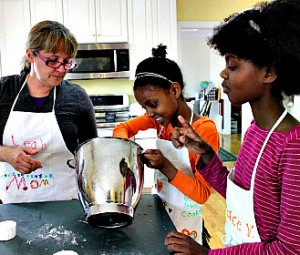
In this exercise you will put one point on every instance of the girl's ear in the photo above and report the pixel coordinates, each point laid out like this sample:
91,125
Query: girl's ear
270,76
176,89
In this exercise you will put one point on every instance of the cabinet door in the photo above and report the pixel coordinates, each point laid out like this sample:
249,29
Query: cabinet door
13,34
96,21
79,17
140,45
164,26
46,10
111,20
151,22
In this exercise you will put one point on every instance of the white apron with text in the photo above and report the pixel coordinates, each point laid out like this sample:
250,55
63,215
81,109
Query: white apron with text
185,213
55,180
240,225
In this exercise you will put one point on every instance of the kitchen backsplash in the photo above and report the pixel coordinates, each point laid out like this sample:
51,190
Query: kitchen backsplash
107,86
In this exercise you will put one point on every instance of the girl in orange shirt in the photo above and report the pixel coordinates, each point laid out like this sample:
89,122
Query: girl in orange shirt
158,88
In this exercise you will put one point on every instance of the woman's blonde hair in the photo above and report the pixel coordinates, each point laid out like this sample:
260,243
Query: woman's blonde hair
50,36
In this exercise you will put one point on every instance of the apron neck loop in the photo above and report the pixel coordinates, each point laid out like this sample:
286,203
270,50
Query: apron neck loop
264,145
17,96
192,116
23,85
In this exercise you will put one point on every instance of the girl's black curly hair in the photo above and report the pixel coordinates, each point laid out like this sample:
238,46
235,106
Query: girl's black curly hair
160,65
268,36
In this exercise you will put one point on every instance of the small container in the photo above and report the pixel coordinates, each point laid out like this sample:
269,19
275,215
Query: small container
65,252
7,230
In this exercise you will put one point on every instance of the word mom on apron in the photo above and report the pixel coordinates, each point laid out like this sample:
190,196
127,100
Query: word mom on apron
27,181
19,181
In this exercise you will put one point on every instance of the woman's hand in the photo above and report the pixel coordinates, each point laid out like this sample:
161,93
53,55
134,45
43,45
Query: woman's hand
20,159
178,243
187,136
155,159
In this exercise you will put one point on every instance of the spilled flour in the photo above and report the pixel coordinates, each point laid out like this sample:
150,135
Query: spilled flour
59,234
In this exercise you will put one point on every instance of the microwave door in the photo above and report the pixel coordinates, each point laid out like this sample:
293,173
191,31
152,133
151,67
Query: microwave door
100,62
95,61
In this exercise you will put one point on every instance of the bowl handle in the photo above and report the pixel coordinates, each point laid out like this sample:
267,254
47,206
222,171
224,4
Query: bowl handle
70,163
143,159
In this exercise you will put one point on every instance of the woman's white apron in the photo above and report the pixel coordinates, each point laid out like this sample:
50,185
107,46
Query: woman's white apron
55,180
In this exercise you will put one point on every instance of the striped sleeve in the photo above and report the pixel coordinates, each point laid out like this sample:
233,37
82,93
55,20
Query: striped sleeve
215,174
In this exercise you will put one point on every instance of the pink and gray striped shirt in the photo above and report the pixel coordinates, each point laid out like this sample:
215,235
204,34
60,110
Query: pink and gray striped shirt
276,190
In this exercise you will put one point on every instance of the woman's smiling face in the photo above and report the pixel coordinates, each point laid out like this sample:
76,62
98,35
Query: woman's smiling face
160,104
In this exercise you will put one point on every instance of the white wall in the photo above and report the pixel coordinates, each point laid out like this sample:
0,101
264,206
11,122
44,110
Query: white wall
295,109
200,63
247,117
217,64
195,61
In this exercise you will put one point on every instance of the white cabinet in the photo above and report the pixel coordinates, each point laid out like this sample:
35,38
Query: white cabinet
14,27
97,20
46,10
16,19
80,18
89,20
142,23
111,21
151,22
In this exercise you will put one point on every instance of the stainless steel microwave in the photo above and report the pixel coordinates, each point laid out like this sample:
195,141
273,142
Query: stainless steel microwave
100,61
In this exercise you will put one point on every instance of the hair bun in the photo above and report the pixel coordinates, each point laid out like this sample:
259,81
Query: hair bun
160,51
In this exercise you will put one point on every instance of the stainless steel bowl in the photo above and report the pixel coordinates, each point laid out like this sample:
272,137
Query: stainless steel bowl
110,180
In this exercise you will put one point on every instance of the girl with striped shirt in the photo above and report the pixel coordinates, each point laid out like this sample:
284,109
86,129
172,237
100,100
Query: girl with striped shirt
261,47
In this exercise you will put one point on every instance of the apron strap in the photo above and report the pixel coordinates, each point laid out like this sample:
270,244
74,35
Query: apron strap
23,85
264,145
17,96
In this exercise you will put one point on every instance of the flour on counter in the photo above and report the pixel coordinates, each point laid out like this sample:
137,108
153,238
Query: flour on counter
59,234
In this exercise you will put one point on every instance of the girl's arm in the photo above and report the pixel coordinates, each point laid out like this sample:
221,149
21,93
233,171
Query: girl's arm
131,127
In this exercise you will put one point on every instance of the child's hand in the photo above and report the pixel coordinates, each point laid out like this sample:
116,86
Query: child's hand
187,136
178,243
155,159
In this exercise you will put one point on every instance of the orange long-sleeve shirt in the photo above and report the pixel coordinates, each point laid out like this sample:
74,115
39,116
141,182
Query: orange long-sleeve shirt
195,187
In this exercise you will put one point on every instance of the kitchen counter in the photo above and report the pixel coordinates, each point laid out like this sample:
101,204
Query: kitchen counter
48,227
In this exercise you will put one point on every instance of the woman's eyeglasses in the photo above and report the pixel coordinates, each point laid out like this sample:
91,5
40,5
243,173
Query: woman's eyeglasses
71,64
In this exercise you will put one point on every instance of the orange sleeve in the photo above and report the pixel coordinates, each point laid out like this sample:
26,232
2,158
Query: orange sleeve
196,188
131,127
207,129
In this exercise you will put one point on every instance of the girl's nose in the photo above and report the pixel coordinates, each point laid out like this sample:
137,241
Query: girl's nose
149,113
224,74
